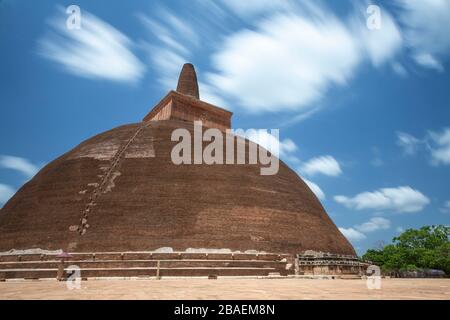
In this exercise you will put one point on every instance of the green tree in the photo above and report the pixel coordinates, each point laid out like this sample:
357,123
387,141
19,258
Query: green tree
427,247
428,237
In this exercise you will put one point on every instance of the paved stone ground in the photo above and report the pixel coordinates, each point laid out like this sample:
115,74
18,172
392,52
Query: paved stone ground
228,289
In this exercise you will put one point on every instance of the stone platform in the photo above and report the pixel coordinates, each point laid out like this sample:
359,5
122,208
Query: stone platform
321,263
142,264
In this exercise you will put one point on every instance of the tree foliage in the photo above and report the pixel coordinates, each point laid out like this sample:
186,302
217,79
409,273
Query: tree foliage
427,247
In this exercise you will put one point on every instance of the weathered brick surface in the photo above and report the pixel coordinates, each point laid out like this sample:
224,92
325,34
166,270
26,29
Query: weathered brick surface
177,106
187,82
153,203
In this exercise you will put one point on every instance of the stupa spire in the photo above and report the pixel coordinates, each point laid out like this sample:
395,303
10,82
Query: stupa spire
187,82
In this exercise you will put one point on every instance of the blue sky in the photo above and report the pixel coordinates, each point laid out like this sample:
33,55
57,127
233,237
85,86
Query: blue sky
364,114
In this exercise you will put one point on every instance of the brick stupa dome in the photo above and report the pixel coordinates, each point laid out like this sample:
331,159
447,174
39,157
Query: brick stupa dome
120,191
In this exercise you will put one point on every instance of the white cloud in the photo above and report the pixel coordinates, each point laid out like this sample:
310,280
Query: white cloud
6,192
326,165
352,234
287,146
97,50
283,148
436,143
380,45
359,232
22,165
400,199
440,147
427,24
315,189
288,63
374,224
408,143
428,61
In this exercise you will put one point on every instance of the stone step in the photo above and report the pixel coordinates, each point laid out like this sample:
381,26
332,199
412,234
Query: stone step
137,272
145,263
145,256
28,273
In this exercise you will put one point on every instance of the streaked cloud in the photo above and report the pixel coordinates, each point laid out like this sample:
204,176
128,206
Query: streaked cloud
251,8
399,69
96,51
211,95
379,45
22,165
162,33
301,50
400,199
181,27
408,143
440,147
427,30
167,63
436,143
177,39
428,61
298,53
326,165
